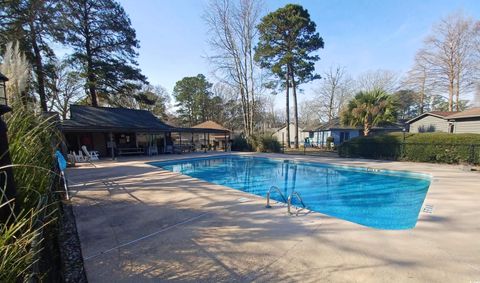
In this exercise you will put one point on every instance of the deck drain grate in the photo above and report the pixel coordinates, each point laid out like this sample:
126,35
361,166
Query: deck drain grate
428,208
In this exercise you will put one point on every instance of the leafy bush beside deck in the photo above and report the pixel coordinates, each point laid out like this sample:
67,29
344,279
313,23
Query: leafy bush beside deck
422,147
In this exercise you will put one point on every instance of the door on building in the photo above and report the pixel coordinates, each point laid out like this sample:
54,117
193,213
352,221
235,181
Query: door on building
344,136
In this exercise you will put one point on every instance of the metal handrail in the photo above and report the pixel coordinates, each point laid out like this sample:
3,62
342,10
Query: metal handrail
275,188
289,201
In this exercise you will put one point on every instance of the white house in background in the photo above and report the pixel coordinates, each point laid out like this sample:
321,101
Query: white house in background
467,121
281,135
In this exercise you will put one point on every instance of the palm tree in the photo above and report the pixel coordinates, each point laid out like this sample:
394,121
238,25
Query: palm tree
369,109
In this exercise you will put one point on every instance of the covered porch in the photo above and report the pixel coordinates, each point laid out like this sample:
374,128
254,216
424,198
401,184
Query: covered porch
119,132
122,143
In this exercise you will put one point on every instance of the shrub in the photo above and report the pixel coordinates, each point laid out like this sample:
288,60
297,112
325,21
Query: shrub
260,143
268,143
240,143
329,142
32,139
422,147
378,147
443,148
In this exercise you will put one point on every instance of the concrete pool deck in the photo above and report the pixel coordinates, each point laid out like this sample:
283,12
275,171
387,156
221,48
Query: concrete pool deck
139,223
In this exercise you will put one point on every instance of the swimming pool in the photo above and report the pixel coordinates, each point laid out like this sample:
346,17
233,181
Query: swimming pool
375,198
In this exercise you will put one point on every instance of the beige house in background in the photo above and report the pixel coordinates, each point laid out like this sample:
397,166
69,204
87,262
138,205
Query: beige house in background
467,121
281,135
434,121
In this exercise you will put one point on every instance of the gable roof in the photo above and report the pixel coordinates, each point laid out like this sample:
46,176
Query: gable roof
438,114
210,125
333,124
103,118
336,125
469,113
300,129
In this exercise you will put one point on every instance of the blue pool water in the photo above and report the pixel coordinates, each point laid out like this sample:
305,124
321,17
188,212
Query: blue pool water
380,199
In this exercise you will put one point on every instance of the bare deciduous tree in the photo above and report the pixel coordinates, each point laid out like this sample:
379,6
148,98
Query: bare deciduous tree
335,90
449,52
310,113
420,81
65,87
385,80
233,28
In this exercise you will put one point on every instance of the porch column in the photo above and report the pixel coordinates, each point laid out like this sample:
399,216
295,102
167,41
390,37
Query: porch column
205,142
208,140
112,143
180,134
225,144
164,142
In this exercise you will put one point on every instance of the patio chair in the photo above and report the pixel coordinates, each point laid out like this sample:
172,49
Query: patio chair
91,155
153,150
78,157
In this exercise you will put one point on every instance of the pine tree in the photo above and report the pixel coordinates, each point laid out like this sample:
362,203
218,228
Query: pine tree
33,23
287,38
104,43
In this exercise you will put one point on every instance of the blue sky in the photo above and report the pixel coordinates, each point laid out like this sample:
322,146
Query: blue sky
360,35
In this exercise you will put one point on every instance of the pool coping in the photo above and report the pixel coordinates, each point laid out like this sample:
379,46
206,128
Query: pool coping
383,172
462,260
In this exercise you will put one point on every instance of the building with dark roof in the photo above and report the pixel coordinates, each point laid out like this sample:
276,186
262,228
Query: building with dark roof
126,131
467,121
434,121
339,133
214,140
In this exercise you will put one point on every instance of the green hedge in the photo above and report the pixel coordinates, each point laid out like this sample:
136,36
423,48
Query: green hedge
422,147
260,143
240,143
268,143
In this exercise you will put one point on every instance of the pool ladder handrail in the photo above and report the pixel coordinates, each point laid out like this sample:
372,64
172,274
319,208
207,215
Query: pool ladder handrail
275,189
289,201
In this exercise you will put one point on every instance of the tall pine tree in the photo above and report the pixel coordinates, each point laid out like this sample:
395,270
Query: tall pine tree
104,43
287,38
33,23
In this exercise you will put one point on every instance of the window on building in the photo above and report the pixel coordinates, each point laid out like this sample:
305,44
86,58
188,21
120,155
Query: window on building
344,136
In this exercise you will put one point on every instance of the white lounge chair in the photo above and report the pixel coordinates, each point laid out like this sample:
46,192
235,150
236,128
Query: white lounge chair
152,150
90,155
169,149
78,157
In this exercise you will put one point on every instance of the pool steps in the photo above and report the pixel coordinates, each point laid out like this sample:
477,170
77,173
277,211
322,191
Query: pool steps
275,189
288,200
